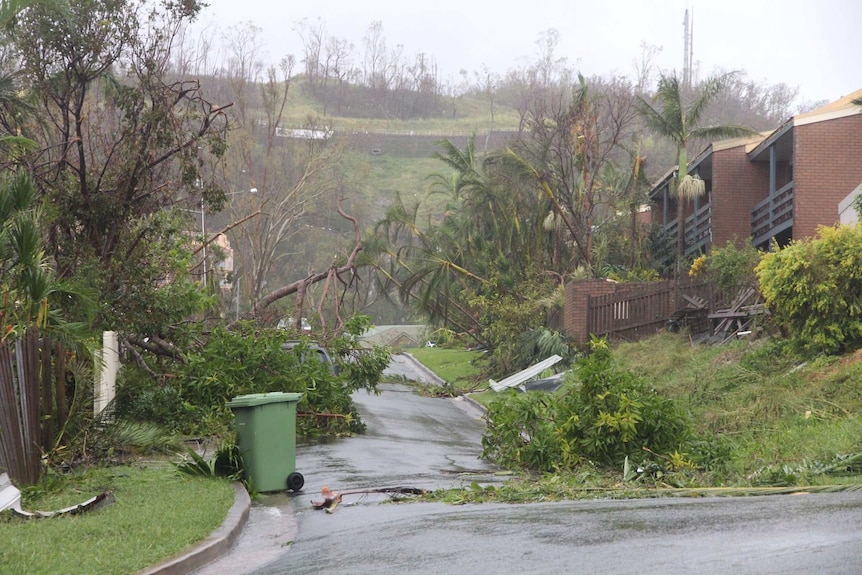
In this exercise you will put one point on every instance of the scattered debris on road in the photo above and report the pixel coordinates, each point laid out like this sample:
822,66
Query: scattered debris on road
331,498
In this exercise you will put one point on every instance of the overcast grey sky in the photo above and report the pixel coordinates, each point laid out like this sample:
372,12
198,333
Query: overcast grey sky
815,45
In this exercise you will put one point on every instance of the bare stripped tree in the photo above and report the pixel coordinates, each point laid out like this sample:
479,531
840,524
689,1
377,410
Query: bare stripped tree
278,173
313,35
339,65
569,147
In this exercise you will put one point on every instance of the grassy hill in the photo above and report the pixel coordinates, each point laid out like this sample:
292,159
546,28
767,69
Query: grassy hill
385,155
774,417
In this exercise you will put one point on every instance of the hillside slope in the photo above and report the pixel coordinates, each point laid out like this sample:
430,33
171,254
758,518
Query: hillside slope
774,417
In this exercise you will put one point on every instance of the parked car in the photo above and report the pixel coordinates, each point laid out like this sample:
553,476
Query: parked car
321,354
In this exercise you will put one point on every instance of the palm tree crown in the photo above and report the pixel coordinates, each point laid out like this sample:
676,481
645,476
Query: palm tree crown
679,121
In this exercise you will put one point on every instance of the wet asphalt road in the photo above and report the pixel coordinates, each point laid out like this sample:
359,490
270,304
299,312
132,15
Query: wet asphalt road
411,441
431,443
816,534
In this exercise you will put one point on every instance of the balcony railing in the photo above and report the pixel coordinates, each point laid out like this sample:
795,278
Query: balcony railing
698,229
773,215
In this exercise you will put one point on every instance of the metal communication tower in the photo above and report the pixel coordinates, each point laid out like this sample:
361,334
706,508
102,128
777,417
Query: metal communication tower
688,46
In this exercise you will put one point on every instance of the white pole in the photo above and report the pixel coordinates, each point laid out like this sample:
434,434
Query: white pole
237,298
204,239
108,364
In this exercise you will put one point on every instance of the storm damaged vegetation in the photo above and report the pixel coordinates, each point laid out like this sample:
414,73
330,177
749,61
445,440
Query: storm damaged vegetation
192,399
665,418
602,414
117,203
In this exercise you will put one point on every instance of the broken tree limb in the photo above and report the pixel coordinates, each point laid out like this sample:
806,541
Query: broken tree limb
213,237
300,286
331,498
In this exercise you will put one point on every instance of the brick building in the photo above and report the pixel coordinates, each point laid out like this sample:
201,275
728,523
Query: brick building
779,185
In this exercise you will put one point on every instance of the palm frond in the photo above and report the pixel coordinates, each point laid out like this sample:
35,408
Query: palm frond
707,92
667,119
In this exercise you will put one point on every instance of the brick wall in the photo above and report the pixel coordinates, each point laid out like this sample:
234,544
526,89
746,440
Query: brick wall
737,185
827,167
575,310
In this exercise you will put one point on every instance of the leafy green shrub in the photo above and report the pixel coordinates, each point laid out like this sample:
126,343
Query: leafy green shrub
606,415
732,269
813,289
139,397
506,315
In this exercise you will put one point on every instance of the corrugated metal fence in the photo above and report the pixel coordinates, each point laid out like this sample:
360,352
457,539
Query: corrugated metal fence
32,403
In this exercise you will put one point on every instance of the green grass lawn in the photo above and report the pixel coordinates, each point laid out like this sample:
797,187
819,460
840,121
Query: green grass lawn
775,413
453,365
156,513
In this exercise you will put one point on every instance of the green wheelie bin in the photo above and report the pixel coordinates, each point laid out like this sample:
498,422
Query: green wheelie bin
266,436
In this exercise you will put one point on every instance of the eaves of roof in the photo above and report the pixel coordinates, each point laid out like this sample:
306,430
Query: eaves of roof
838,109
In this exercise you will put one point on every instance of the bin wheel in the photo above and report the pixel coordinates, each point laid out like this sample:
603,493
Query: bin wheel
295,481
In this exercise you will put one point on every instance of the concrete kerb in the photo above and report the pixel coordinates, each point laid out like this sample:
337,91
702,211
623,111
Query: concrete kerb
217,544
475,404
421,367
440,381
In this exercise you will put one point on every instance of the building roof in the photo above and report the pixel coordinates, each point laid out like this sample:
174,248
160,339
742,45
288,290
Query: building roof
756,144
841,107
838,109
748,141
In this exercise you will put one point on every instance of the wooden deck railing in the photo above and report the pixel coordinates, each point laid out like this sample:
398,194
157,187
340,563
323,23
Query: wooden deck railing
698,229
772,215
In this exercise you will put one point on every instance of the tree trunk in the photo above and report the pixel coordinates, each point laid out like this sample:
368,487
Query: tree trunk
680,227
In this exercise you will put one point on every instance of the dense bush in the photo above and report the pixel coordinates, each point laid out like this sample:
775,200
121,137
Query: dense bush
514,322
732,269
813,289
603,416
193,398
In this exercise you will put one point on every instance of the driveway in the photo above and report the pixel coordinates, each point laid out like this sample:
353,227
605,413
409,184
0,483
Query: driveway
412,441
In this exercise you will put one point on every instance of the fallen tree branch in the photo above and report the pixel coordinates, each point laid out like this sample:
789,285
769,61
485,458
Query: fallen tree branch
157,346
331,498
213,237
300,286
139,359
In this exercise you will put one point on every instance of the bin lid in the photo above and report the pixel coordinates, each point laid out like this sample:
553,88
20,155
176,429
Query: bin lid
255,399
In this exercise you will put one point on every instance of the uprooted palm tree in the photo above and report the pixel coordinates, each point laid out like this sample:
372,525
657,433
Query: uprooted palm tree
679,121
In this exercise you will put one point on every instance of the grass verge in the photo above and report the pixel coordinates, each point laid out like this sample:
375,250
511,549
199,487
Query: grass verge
776,417
156,513
453,365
